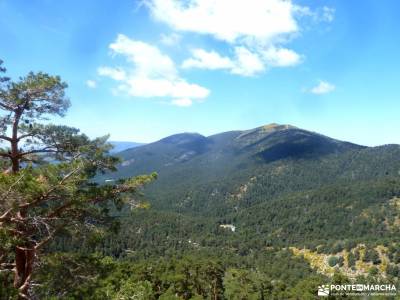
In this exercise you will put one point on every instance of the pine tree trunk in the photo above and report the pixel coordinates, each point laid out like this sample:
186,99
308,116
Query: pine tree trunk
14,142
15,165
24,259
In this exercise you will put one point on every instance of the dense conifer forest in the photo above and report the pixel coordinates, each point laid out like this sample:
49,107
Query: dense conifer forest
224,220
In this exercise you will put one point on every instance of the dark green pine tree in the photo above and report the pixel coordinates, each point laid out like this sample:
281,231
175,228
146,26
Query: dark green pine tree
46,179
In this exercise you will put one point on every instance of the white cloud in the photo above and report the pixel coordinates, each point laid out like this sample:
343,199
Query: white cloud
152,73
281,57
161,87
321,14
148,59
226,19
254,29
114,73
170,39
91,84
203,59
247,63
323,87
244,62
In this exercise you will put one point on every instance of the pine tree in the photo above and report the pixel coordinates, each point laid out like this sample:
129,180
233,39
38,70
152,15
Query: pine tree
47,181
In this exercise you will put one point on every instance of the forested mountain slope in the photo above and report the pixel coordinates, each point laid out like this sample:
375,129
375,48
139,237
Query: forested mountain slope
278,185
258,199
237,169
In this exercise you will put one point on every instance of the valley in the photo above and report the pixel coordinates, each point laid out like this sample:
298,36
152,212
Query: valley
282,189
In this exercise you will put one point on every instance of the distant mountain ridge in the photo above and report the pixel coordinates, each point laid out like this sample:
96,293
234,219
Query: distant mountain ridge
281,158
279,186
123,145
267,143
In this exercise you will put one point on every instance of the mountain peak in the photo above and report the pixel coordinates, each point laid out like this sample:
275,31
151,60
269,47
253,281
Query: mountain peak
262,131
274,127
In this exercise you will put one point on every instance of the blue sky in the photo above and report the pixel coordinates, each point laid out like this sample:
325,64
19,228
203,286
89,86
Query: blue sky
142,70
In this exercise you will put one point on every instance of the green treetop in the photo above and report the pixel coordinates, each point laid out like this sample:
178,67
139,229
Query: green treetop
46,179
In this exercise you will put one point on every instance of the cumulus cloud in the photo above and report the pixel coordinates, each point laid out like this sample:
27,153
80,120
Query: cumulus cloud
91,84
228,20
162,87
147,59
245,62
323,87
114,73
207,60
254,29
255,33
151,74
281,57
